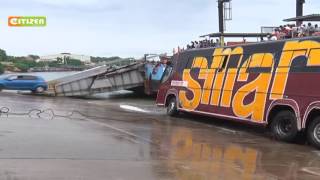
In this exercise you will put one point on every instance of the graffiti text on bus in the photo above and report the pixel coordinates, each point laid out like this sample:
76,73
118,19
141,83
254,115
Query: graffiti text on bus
219,79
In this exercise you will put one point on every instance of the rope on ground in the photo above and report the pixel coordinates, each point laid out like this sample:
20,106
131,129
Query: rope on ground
50,115
46,114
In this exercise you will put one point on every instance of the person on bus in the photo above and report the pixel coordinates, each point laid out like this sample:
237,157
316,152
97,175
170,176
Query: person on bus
212,44
192,45
310,29
317,30
218,43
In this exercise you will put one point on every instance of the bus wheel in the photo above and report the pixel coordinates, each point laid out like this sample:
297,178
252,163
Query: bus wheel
313,132
172,108
284,126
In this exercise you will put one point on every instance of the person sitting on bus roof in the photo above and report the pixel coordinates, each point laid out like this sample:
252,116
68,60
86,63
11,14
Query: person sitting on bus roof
276,34
302,30
197,45
218,43
317,30
286,32
201,44
310,29
192,45
212,43
295,31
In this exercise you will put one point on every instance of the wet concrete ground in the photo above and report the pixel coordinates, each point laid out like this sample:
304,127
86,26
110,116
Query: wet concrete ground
130,138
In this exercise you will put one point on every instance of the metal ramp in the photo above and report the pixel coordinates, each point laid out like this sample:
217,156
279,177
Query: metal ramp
99,80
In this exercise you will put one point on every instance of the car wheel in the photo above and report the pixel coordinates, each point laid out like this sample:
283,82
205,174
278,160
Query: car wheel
172,108
39,89
284,126
313,132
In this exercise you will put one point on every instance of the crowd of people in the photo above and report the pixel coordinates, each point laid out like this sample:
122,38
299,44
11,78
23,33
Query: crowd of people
293,31
199,44
204,44
282,32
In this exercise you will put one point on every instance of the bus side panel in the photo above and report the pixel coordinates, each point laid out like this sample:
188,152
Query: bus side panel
302,87
251,97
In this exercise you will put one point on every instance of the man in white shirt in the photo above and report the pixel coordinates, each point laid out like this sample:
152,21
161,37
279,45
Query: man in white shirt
316,28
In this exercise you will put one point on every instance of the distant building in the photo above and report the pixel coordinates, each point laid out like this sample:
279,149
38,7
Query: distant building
55,57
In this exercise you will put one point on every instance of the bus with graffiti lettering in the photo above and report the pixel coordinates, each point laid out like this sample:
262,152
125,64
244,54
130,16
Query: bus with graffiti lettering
274,83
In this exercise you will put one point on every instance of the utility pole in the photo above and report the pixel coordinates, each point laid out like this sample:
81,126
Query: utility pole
222,18
299,10
221,21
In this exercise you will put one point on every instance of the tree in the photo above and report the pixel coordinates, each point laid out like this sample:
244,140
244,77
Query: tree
73,62
3,55
34,57
24,67
1,69
104,59
59,60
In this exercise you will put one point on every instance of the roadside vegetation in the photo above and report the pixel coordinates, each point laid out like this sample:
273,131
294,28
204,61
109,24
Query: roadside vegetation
30,63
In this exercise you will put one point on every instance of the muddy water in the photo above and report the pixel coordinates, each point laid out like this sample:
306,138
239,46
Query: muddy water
127,137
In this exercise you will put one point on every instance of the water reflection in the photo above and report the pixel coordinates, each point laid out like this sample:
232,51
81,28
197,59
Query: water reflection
207,160
196,155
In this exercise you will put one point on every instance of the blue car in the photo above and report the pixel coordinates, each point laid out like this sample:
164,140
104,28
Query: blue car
23,82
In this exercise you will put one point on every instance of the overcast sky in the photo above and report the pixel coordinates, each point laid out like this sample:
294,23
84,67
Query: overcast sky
130,28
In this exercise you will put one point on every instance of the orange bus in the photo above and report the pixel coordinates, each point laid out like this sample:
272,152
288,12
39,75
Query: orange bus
273,83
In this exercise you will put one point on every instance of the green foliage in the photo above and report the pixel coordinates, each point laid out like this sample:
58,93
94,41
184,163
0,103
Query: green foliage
54,64
24,67
25,63
60,60
41,64
73,62
1,69
104,59
3,55
34,57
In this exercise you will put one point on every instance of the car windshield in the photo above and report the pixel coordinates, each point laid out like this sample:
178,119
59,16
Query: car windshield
12,77
19,77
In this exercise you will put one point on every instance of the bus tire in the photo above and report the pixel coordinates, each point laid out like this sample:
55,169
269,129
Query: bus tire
313,132
284,126
172,108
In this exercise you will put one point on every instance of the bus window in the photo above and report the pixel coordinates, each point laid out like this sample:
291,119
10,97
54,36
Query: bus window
167,74
182,61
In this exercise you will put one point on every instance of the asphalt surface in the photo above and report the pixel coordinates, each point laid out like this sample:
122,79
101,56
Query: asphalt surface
122,136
